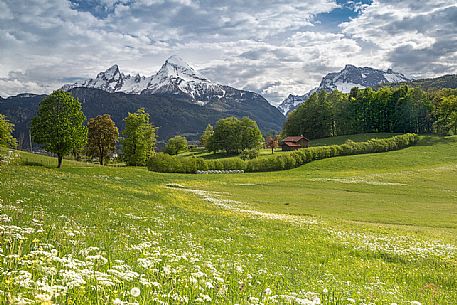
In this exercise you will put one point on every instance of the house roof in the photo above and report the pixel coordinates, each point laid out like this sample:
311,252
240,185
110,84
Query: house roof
294,139
291,144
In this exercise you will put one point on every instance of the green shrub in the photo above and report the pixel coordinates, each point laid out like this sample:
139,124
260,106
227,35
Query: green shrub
164,163
249,154
167,164
224,164
305,155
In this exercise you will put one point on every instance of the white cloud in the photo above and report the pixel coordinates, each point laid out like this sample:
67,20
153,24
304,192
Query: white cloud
415,37
274,47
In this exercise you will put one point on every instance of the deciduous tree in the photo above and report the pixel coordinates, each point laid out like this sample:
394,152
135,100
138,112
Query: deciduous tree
206,136
139,138
234,135
102,137
58,125
6,132
272,142
447,115
176,145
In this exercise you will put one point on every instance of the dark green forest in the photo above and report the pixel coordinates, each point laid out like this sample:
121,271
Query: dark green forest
398,110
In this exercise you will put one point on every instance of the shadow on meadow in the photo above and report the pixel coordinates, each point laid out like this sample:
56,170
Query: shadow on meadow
430,140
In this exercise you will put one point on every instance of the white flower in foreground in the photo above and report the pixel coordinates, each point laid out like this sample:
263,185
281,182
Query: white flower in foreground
117,301
135,292
209,285
325,291
206,298
156,284
239,269
193,280
416,303
167,270
268,291
43,297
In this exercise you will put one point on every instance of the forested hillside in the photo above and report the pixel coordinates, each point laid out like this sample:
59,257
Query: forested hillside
398,110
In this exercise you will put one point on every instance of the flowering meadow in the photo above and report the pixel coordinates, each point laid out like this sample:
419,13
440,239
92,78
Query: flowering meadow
372,229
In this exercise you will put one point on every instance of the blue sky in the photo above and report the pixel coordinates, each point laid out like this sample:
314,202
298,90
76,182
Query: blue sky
343,13
274,47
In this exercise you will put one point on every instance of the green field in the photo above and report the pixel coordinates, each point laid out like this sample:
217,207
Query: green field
202,153
376,228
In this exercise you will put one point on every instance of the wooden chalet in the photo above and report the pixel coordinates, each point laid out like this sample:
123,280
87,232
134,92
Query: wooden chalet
294,143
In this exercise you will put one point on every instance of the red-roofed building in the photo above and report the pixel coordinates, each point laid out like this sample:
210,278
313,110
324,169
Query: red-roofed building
294,143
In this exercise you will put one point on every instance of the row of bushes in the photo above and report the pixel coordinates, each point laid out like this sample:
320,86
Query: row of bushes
172,164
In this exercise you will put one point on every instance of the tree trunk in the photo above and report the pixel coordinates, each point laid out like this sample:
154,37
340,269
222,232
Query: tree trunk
101,154
272,150
59,159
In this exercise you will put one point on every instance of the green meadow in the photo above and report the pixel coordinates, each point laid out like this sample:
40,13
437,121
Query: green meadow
265,152
364,229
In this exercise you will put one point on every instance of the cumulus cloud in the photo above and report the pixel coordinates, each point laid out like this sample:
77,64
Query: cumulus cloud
274,47
415,37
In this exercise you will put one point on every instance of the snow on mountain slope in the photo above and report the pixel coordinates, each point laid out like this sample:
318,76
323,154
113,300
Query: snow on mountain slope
111,81
174,77
344,80
177,77
292,101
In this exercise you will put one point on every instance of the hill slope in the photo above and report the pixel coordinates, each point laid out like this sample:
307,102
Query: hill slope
445,81
376,228
171,113
179,99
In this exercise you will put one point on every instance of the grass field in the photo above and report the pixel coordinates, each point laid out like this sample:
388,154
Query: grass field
376,228
202,153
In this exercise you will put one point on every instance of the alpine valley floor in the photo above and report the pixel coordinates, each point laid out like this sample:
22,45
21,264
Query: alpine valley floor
366,229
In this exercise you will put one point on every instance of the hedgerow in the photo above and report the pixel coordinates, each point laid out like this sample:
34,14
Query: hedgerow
172,164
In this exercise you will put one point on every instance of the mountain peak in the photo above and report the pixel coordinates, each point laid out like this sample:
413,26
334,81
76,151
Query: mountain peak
344,80
176,67
349,66
177,77
177,61
112,73
114,67
174,79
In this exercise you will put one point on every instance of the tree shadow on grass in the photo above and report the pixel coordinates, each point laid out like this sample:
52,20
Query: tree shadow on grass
429,140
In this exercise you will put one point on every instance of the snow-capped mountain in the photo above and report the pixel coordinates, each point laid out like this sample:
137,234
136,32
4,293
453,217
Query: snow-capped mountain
174,77
112,80
177,77
351,76
292,101
179,99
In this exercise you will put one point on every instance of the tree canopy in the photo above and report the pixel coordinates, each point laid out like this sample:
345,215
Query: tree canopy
139,138
206,136
446,115
395,110
235,135
176,145
272,142
58,125
102,137
6,132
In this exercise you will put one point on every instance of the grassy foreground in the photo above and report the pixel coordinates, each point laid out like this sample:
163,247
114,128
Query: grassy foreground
377,228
